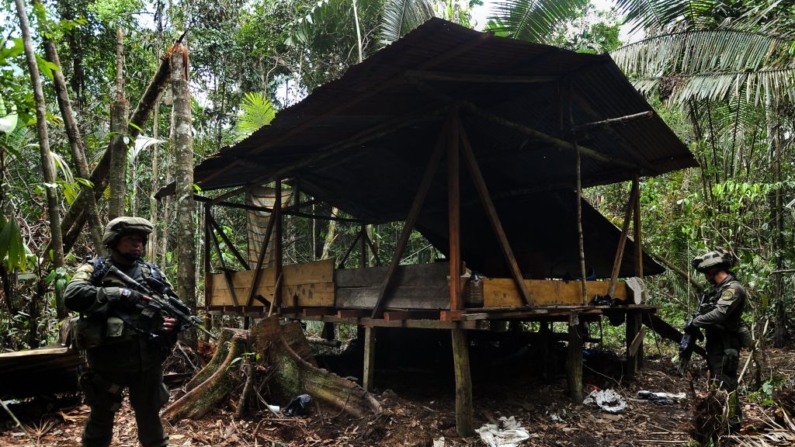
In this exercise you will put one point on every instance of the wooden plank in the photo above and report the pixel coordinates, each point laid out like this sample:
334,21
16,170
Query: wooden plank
418,275
396,315
636,343
305,273
501,292
314,311
304,295
352,313
402,297
451,315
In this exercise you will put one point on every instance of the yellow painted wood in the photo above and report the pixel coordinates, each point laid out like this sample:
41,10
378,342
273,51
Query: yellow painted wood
311,283
501,292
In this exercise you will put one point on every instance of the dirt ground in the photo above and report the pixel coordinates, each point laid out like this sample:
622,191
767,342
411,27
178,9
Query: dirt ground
418,410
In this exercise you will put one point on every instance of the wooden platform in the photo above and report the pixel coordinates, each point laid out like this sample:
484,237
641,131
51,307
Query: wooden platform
48,370
418,297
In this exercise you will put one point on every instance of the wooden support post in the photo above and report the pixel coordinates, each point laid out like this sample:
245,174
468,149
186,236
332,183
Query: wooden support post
633,329
637,227
638,231
363,247
228,242
454,210
544,333
207,264
494,219
464,420
425,185
341,264
578,166
369,358
574,359
277,245
622,241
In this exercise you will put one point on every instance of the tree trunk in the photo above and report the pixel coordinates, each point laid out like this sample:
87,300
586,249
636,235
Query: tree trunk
183,150
75,218
55,251
76,143
119,140
776,215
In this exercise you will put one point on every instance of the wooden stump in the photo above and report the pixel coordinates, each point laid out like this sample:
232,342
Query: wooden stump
288,358
295,372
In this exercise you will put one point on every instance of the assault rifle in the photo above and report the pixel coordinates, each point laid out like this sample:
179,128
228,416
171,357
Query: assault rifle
691,335
163,299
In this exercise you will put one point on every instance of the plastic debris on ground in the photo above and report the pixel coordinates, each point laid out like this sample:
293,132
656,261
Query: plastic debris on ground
299,406
438,442
608,400
660,397
508,433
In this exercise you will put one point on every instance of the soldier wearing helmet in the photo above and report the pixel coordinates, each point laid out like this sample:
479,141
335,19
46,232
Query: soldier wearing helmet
124,340
720,316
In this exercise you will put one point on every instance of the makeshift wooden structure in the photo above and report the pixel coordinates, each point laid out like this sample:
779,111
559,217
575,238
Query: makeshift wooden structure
482,144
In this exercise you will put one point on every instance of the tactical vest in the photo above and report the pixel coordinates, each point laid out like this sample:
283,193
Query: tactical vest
90,332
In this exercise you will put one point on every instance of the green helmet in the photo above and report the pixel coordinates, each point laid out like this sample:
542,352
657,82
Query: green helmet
125,225
716,258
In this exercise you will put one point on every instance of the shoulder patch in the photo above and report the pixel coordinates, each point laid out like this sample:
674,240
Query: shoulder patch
728,294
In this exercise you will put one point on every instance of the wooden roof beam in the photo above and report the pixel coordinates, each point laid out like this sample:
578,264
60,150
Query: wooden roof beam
538,135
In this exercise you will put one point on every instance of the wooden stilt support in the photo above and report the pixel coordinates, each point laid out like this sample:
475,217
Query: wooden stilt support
622,241
454,211
544,333
574,359
638,229
464,421
369,358
633,329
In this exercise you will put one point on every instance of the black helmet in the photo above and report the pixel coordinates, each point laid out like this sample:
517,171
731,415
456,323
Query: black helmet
716,258
125,225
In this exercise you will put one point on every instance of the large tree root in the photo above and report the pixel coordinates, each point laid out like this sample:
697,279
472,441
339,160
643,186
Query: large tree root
213,383
292,371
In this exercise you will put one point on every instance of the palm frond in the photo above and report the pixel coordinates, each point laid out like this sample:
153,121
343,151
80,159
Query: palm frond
665,15
257,112
402,16
532,20
713,65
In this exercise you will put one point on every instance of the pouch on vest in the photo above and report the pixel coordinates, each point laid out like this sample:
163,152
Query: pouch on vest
114,328
87,333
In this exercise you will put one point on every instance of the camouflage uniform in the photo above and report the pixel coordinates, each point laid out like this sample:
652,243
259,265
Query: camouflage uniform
721,317
132,360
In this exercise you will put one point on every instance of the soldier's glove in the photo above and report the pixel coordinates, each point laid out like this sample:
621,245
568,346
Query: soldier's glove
130,297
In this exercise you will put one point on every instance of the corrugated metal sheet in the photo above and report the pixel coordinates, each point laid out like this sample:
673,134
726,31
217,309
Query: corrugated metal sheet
361,142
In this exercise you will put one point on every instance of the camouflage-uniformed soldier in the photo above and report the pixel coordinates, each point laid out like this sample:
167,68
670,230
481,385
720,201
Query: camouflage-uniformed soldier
721,318
123,346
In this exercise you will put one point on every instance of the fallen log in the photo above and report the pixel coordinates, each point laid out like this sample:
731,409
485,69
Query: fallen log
667,331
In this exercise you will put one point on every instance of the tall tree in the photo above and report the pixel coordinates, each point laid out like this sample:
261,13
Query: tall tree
183,149
47,165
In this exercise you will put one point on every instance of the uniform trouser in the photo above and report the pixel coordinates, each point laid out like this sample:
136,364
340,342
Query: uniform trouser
723,365
148,394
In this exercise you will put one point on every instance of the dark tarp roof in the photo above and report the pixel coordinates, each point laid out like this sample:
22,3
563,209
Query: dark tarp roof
362,142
